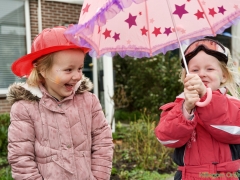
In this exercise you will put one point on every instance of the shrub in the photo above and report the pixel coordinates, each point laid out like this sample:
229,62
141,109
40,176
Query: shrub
126,116
143,175
4,123
150,154
146,83
5,170
5,173
140,149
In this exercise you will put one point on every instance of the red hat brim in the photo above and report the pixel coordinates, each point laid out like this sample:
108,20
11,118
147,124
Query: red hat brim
24,65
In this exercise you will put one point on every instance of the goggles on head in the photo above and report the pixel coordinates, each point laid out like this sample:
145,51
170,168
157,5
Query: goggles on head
209,46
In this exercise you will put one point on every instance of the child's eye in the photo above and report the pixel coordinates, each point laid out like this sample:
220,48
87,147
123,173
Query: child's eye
68,70
210,69
80,69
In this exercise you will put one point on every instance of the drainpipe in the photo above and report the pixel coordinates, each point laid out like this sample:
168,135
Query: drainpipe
108,90
95,77
39,17
27,26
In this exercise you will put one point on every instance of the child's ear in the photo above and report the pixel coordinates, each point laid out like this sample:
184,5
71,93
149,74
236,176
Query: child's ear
223,79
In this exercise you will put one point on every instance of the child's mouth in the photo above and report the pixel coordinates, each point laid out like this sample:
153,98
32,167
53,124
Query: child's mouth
69,87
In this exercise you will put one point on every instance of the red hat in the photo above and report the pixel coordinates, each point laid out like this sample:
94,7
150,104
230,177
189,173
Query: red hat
48,41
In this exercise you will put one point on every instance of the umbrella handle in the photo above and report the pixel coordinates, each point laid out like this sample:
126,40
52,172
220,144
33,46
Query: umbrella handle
208,99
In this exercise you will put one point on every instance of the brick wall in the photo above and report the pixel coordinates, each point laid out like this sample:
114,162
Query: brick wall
53,14
33,8
4,106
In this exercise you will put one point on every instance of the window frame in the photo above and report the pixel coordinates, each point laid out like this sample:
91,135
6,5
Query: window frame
69,1
4,91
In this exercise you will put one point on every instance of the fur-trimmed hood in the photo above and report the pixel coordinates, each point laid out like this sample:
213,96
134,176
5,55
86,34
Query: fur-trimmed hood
22,91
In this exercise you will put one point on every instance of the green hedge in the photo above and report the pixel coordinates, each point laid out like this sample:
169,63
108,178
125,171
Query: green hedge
4,123
147,83
5,170
125,116
137,149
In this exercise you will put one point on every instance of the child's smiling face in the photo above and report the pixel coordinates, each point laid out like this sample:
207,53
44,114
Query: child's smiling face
208,69
66,71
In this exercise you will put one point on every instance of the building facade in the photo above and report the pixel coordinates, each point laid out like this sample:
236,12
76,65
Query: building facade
22,20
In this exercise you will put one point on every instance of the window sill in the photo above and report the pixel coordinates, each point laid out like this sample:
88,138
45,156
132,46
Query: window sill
3,92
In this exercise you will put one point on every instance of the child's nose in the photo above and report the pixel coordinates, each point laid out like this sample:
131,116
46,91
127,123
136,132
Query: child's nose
202,73
77,75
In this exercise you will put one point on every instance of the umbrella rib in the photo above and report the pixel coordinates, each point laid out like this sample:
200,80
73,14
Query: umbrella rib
207,18
98,54
149,40
180,46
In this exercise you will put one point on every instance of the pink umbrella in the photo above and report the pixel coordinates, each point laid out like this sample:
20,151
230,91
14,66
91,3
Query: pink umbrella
144,28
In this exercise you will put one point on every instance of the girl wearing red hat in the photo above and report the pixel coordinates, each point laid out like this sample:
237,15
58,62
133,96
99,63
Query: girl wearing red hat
206,139
58,129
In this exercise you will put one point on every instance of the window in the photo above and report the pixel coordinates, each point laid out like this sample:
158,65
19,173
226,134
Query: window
12,39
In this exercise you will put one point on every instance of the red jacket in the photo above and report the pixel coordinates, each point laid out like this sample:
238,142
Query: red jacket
205,139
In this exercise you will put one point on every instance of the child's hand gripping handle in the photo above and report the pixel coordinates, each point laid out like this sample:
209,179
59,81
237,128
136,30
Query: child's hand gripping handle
208,99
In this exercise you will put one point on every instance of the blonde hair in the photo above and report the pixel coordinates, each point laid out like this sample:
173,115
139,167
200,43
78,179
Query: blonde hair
42,64
231,73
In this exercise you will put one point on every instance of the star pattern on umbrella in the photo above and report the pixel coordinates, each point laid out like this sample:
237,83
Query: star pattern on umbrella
183,31
116,36
221,10
107,33
144,31
180,10
85,9
212,12
136,20
131,20
179,29
199,14
156,31
203,2
167,31
152,20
